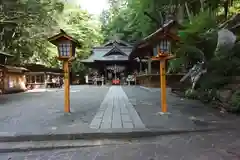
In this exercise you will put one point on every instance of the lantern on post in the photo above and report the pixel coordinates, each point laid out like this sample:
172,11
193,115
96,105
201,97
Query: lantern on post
159,44
163,50
66,52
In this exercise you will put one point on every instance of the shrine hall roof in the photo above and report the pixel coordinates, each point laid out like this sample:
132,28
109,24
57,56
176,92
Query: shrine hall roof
111,51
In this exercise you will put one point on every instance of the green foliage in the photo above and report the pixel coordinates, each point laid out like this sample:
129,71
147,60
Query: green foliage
129,22
200,24
85,29
198,41
35,19
215,82
207,95
81,26
176,65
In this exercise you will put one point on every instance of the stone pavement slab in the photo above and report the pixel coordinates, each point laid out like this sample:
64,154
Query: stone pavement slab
116,112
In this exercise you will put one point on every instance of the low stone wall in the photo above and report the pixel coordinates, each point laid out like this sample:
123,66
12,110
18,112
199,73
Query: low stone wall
36,85
14,90
153,80
41,85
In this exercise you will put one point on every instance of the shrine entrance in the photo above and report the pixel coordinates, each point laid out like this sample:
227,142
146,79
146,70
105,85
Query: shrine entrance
115,72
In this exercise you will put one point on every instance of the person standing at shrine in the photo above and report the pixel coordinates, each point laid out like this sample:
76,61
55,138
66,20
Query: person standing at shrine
61,82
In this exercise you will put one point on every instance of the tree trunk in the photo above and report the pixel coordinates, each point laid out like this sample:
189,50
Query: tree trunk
202,5
188,12
180,14
226,5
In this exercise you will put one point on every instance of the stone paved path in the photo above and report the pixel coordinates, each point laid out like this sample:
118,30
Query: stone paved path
116,112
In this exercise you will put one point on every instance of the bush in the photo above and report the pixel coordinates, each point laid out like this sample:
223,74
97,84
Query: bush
192,94
215,82
207,95
235,102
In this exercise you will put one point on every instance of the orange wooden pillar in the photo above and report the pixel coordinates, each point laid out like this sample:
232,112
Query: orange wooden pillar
163,85
162,58
66,87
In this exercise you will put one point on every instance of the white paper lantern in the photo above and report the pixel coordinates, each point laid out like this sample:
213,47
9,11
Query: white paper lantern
164,46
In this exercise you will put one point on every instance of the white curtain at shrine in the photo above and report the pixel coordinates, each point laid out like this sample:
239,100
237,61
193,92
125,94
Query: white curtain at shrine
110,75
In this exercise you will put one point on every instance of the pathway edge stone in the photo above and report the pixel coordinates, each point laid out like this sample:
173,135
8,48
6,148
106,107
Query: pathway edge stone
104,135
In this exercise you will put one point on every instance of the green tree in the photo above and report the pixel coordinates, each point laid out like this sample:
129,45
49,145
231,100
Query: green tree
39,19
35,20
85,28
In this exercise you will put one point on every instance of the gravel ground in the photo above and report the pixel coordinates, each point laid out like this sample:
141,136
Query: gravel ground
42,112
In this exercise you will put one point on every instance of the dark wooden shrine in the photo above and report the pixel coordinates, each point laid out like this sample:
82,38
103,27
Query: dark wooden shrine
111,61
